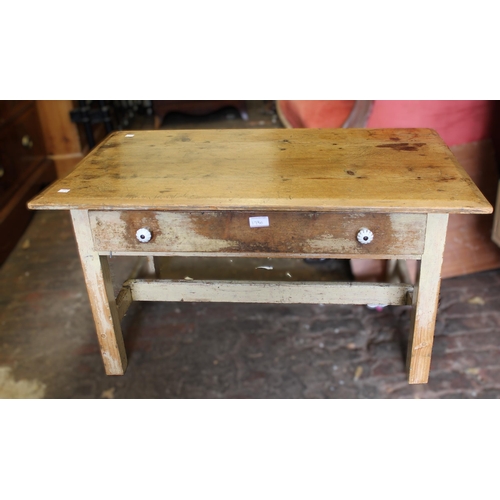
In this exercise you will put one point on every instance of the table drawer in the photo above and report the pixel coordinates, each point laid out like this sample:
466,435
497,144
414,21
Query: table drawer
230,233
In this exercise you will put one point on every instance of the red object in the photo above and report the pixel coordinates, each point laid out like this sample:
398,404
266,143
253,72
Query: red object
315,114
457,122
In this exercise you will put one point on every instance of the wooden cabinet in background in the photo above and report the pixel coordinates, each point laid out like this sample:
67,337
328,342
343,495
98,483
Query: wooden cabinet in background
61,135
24,169
65,141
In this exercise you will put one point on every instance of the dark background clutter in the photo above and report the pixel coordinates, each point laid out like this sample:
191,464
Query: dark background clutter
48,346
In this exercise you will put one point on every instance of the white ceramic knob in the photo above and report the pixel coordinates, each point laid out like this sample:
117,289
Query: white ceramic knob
365,236
143,235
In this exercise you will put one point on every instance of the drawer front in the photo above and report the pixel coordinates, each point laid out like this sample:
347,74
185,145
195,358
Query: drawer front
230,233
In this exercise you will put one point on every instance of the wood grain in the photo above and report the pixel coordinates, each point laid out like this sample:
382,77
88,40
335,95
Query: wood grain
101,295
229,233
265,292
60,133
425,301
364,170
61,136
196,190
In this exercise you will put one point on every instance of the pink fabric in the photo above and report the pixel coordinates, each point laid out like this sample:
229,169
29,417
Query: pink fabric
316,114
457,122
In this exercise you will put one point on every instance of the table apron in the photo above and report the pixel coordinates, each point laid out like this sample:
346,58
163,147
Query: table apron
285,234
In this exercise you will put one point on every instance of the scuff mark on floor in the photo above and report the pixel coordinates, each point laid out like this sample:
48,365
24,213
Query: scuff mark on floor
20,389
109,393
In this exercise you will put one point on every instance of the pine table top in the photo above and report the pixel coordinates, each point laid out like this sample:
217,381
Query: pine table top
339,170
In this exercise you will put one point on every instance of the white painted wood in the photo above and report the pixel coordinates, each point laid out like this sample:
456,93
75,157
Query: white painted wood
403,271
425,300
156,266
224,233
100,289
284,255
397,271
123,301
150,266
269,292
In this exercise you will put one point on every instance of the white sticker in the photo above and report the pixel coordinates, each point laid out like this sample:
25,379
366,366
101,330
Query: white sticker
259,221
129,135
64,190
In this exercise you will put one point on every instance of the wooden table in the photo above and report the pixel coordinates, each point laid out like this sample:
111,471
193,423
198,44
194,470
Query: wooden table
301,193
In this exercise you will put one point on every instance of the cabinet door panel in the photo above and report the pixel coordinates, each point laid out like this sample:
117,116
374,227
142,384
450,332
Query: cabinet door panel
21,149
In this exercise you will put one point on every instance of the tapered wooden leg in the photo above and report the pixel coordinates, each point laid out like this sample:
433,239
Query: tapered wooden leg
101,295
153,267
425,300
150,266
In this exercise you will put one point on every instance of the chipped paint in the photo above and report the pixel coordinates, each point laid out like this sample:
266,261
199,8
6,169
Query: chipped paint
228,232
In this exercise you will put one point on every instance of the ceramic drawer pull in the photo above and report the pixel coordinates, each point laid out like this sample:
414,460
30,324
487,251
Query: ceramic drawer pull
365,236
143,235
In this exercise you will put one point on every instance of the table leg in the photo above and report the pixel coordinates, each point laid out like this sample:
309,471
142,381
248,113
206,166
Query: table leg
101,295
153,266
425,300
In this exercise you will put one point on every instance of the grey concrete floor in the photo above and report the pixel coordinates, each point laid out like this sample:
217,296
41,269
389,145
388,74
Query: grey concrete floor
48,346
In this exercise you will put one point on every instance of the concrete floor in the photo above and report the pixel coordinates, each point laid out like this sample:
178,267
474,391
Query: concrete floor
48,346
